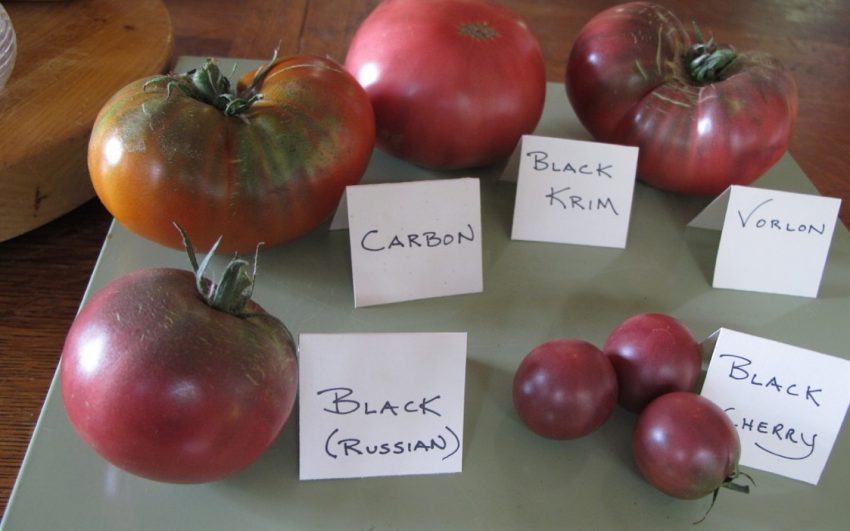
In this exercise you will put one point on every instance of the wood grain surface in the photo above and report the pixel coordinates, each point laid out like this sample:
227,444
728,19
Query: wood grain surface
58,87
43,273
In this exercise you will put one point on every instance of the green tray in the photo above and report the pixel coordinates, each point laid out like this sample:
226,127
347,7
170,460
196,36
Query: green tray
511,479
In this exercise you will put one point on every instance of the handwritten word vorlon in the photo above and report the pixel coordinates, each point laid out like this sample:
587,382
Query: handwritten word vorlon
776,224
541,163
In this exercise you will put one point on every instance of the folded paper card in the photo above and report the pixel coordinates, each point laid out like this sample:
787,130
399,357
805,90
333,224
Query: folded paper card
788,403
415,240
771,241
571,191
381,404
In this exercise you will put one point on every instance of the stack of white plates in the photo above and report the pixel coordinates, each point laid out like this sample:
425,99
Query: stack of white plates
8,47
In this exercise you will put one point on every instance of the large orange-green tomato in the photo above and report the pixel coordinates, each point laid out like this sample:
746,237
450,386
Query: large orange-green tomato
266,162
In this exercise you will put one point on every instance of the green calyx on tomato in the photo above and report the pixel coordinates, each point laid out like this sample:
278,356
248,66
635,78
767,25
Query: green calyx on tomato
207,84
729,483
705,61
232,294
267,161
703,116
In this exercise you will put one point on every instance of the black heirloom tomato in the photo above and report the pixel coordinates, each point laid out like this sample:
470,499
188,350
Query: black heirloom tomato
564,389
652,354
686,446
165,386
703,115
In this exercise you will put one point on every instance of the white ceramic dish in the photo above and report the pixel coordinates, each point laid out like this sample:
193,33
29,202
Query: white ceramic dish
8,47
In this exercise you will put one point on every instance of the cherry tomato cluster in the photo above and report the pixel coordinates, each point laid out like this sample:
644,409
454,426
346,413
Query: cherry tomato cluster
683,444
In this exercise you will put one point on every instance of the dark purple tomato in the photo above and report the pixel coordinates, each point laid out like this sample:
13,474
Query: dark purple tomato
564,389
652,354
164,386
685,445
703,115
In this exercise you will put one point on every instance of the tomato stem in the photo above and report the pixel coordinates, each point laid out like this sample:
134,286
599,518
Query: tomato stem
706,61
207,84
729,483
232,294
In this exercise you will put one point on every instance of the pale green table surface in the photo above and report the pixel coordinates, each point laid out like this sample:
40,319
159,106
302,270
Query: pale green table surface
511,479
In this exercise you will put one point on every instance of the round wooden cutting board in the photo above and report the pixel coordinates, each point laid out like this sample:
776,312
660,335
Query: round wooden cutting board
72,56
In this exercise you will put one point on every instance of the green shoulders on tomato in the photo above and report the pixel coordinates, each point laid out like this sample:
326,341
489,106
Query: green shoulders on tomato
266,160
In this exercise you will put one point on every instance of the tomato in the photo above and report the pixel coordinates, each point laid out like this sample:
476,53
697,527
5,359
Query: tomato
165,386
686,446
454,83
652,354
265,164
564,389
703,116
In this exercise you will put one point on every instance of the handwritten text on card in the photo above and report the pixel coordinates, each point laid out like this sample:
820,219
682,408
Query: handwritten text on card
381,404
415,240
771,241
375,241
341,401
573,192
787,403
751,219
781,438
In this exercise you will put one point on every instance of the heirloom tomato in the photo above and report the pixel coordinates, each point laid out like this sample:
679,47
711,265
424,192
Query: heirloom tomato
266,162
454,83
687,447
703,115
173,385
564,389
652,354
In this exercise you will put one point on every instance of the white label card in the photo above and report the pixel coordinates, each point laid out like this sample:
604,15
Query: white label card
771,241
415,240
381,404
788,403
571,191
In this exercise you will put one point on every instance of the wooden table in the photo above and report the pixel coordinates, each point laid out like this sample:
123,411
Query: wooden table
43,273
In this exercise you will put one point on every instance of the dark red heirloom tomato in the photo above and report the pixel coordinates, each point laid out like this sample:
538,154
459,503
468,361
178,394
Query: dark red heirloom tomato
652,354
454,83
164,385
564,389
266,163
686,446
703,116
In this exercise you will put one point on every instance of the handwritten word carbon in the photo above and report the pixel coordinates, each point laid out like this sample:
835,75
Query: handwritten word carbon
374,241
